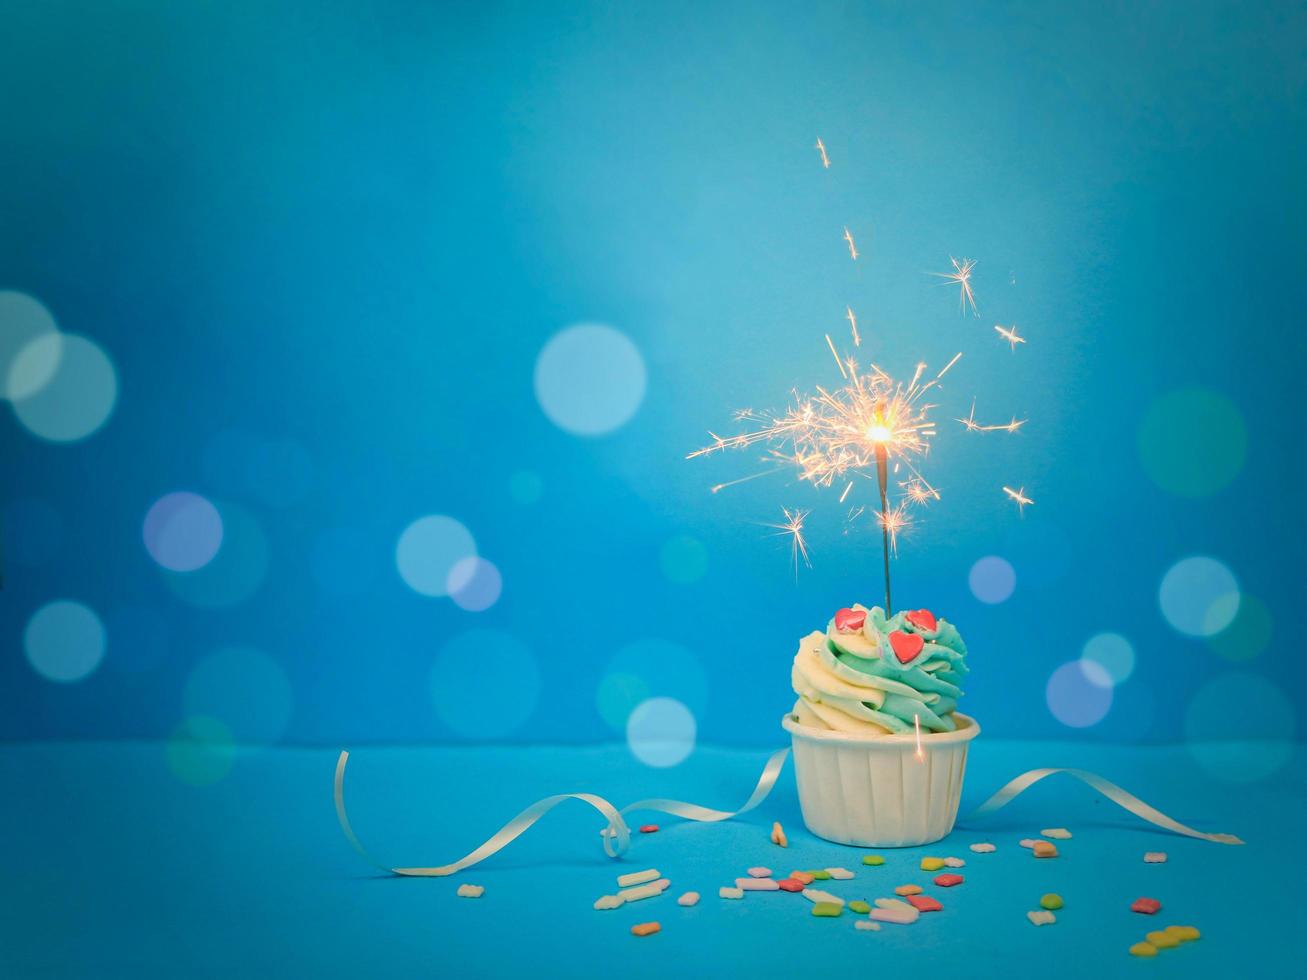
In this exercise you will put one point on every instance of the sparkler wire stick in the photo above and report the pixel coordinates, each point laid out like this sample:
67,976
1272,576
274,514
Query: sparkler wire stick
882,476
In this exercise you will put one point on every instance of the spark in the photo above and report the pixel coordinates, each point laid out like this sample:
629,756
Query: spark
836,354
972,425
845,494
793,526
1019,498
853,323
821,148
853,249
961,275
919,491
717,488
916,721
894,520
1010,335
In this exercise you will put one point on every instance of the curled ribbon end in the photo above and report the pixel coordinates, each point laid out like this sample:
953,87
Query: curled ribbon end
1225,839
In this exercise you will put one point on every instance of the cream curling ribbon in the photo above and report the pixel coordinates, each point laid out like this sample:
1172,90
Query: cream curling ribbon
617,835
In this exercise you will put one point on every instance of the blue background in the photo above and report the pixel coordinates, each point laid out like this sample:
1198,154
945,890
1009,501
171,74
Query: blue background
324,244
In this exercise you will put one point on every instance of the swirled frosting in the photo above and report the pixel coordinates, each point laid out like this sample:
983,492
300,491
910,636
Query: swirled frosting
871,675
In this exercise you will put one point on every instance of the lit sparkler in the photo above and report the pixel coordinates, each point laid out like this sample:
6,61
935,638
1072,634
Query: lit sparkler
793,526
821,148
1019,498
1010,335
961,275
853,325
832,435
853,249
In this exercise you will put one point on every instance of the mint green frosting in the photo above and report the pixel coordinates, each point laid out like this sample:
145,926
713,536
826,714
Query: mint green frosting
847,680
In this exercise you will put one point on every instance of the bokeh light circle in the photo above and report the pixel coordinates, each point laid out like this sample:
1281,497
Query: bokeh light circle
1079,694
344,560
1199,596
992,579
33,532
23,320
650,668
236,571
64,641
1112,654
525,487
1192,442
246,690
201,751
485,684
429,549
182,531
684,559
589,379
1248,634
80,396
474,584
1240,727
661,732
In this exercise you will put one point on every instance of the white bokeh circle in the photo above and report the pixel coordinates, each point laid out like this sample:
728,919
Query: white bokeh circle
475,584
992,579
64,641
661,732
649,668
1199,596
1112,654
589,379
429,549
1079,694
79,396
182,531
23,321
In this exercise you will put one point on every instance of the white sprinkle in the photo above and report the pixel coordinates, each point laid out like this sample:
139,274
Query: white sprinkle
688,899
985,848
731,892
866,925
1057,833
661,884
1041,917
638,878
471,891
817,895
954,863
1027,842
609,902
757,884
839,874
892,910
1155,857
760,872
639,892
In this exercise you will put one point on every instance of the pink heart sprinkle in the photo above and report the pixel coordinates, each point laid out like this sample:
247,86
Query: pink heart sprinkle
906,646
850,620
922,619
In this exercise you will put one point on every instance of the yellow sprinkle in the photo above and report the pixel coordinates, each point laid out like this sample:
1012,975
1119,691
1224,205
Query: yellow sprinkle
1187,933
873,860
1143,949
931,864
1163,940
1051,901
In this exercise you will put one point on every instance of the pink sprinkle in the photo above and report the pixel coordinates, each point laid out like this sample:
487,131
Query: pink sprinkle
756,884
649,828
760,872
1148,906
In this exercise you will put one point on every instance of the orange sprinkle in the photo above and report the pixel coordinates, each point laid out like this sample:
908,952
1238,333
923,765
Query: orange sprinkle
802,876
645,929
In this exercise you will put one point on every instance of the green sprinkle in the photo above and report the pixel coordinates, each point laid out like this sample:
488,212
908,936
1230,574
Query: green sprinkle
828,909
820,875
875,860
1051,901
859,906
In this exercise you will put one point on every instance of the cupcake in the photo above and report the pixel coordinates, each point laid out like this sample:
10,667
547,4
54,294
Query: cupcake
879,747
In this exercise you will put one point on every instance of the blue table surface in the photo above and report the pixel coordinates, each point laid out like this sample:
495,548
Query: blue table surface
114,868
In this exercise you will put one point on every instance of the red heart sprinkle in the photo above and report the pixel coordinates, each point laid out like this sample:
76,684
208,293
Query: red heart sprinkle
906,645
850,620
922,619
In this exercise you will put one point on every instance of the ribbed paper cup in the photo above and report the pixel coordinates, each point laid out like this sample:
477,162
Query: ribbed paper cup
875,791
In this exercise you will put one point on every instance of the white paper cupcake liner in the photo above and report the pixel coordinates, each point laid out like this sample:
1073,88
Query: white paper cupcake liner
876,792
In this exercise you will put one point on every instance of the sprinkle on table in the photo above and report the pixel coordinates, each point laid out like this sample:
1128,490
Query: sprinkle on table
649,828
1155,857
1057,833
471,891
646,929
1148,906
948,881
984,848
1051,901
778,835
1041,917
1044,849
873,860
